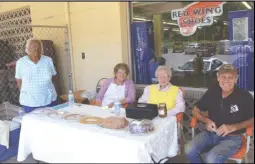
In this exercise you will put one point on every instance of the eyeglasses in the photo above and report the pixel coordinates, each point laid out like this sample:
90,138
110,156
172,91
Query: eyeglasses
162,77
122,73
231,78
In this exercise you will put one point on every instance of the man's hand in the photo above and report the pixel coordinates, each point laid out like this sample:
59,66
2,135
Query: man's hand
224,130
210,126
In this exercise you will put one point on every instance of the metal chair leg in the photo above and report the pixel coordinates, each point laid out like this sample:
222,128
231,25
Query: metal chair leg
246,159
183,137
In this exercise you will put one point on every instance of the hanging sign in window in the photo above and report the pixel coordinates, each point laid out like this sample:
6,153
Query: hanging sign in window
196,14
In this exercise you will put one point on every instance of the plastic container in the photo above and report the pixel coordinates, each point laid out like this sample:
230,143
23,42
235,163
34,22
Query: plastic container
9,111
117,106
70,99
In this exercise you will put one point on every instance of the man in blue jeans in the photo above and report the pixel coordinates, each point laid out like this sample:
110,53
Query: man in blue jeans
230,110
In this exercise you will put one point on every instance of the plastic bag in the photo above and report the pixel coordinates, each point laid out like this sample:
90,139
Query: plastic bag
141,127
90,95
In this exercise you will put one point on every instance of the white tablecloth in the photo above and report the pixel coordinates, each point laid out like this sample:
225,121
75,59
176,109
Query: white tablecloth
57,140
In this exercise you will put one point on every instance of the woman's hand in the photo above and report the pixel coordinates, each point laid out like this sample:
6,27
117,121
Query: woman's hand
97,103
123,101
110,105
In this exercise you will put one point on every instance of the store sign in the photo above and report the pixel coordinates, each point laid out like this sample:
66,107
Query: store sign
196,14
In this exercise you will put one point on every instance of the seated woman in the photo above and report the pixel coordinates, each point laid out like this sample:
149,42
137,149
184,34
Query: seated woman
164,92
118,88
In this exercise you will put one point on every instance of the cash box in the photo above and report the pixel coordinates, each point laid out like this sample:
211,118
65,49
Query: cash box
141,111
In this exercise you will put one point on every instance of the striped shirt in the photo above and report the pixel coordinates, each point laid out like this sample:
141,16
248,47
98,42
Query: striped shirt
37,88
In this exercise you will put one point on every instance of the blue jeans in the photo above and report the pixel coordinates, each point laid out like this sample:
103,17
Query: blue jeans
217,148
28,109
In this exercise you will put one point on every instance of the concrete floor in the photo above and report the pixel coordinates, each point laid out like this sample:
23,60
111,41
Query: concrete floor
30,159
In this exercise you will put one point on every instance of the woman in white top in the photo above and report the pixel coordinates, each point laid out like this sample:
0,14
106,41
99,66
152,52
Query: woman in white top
118,88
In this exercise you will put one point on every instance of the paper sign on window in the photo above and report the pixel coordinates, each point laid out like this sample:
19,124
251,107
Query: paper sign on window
196,14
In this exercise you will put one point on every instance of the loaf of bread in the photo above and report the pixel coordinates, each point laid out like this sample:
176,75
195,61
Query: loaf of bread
91,120
140,127
114,122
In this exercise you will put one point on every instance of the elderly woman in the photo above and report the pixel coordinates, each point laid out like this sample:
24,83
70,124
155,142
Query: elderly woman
34,73
118,88
164,92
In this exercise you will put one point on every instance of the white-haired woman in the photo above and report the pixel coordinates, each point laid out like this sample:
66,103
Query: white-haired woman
34,73
164,92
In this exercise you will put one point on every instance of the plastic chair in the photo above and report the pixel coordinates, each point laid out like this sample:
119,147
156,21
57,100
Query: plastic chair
242,152
98,86
100,83
179,119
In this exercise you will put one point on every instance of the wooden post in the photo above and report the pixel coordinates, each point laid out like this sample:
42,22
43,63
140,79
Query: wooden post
158,30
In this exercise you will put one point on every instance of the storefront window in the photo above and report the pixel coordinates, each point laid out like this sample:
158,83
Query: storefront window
194,39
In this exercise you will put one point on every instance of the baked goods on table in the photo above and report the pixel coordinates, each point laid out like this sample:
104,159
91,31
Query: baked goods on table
42,111
114,122
58,114
71,116
91,120
109,122
140,127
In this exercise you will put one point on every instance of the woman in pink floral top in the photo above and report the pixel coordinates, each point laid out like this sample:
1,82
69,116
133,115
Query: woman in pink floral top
118,88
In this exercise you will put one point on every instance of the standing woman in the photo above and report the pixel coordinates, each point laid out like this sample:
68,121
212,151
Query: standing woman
34,74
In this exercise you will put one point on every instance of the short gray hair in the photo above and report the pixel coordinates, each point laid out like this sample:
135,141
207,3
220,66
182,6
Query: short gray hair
167,69
38,42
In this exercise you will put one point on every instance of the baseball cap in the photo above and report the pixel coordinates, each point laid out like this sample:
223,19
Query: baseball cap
227,68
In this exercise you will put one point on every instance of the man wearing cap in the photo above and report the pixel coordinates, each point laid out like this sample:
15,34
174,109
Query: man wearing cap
229,111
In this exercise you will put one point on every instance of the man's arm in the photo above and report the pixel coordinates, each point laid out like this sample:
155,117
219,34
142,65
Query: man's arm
244,124
210,125
226,129
249,118
201,116
249,114
19,83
